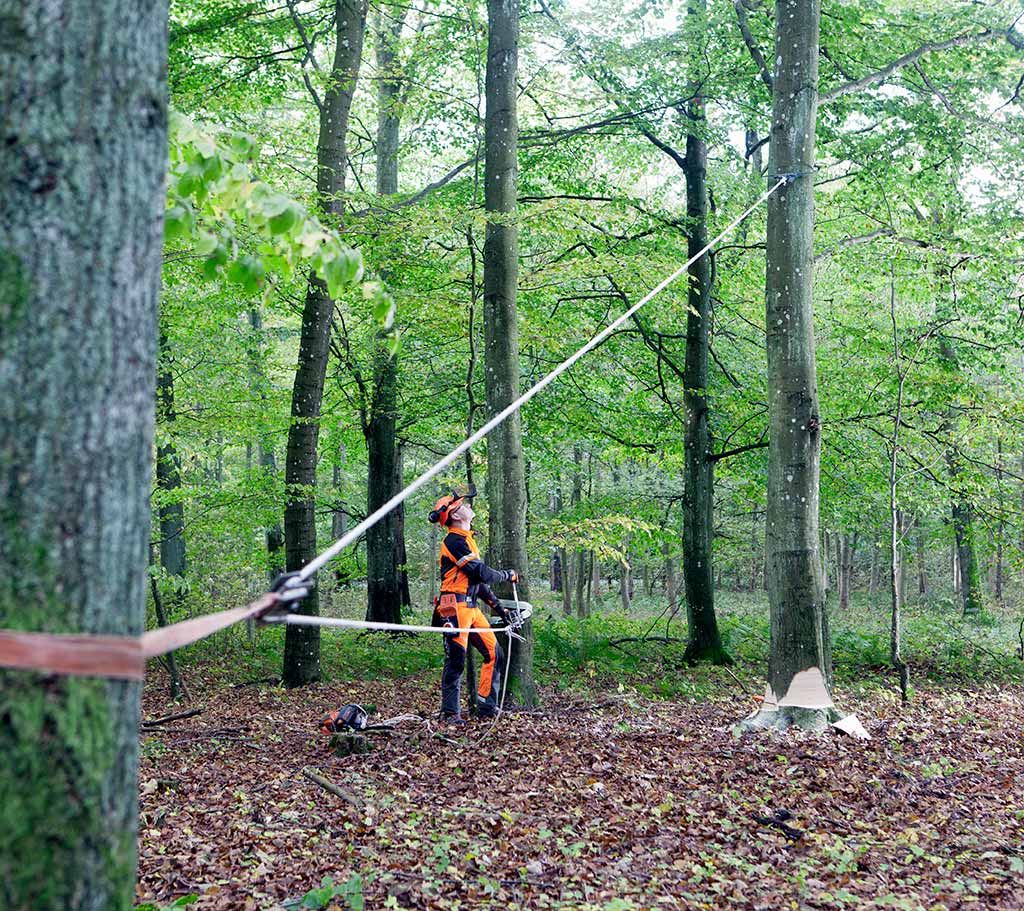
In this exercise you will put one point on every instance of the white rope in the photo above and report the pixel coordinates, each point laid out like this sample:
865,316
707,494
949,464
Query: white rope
304,620
504,680
374,517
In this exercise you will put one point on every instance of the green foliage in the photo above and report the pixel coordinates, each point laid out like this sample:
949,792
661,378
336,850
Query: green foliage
351,892
216,204
182,902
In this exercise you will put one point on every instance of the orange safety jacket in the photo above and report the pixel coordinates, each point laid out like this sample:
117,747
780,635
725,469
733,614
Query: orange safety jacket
463,574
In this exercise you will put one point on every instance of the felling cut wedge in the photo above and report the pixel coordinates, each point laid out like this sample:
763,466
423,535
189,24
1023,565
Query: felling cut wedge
807,690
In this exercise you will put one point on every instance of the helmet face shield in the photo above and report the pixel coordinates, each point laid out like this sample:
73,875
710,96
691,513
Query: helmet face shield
464,492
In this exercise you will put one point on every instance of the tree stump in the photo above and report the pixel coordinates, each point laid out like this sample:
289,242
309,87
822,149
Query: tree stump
347,744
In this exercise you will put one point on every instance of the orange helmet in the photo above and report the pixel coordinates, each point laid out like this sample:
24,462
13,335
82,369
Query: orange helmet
445,506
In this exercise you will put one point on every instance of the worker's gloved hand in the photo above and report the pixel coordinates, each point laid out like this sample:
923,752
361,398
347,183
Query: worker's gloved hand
511,575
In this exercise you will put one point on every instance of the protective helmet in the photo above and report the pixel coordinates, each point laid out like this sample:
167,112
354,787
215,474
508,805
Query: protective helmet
445,506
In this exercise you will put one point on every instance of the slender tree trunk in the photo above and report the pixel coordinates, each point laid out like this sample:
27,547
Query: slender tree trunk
506,480
922,568
961,506
83,111
302,643
800,655
579,575
756,553
873,579
168,471
847,545
401,554
896,523
1000,526
671,588
703,640
339,511
557,558
267,462
626,580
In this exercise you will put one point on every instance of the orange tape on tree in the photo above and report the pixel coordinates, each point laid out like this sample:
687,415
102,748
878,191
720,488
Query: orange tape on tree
118,657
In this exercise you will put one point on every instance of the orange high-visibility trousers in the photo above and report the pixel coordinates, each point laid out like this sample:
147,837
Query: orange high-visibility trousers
482,638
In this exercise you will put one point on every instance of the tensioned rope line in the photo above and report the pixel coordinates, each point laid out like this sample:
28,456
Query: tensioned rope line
313,565
125,656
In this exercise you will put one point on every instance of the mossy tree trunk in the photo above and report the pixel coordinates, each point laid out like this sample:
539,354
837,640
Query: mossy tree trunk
302,643
800,645
83,116
506,476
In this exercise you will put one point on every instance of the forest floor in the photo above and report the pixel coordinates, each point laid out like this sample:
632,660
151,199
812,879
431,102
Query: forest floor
605,798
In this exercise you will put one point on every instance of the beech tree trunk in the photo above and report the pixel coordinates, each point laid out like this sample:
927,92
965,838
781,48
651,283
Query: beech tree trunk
83,161
506,479
799,627
383,589
168,471
268,463
302,643
385,542
579,575
922,567
962,510
703,640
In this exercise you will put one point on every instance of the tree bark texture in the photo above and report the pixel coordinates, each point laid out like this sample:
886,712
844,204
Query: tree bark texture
703,640
383,589
506,478
385,542
389,92
83,160
302,644
168,472
799,627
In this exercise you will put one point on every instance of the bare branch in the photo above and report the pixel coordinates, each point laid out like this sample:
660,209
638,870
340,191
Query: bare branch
885,72
755,51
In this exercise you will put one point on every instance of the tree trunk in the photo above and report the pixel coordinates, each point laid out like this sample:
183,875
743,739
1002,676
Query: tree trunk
339,511
703,640
401,554
800,655
922,568
83,162
302,643
383,588
626,581
268,463
961,505
385,542
671,588
997,582
579,574
506,480
168,471
557,558
389,90
846,546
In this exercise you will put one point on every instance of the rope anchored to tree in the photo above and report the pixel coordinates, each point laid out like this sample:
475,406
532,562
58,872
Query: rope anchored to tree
124,657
